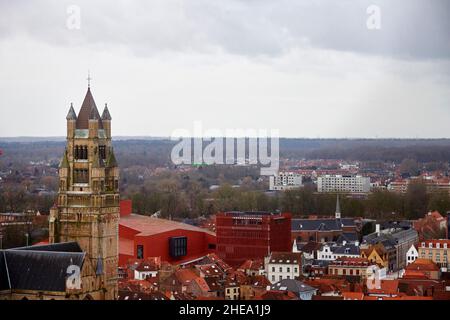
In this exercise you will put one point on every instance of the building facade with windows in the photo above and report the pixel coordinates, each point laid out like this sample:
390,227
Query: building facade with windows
283,265
343,183
346,266
285,181
333,251
437,251
251,235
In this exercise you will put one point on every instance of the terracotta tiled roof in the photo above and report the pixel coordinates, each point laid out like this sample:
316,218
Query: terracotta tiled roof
237,276
259,281
389,287
353,295
328,284
185,275
285,258
255,265
423,265
436,215
350,261
202,284
412,274
279,295
210,270
146,265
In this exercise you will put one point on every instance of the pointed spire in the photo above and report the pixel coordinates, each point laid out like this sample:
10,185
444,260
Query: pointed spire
338,208
71,115
64,161
106,115
111,161
88,111
93,114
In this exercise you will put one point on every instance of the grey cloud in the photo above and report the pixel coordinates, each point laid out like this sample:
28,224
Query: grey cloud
411,29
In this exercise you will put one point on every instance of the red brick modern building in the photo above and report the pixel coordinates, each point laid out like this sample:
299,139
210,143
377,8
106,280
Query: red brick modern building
251,235
141,237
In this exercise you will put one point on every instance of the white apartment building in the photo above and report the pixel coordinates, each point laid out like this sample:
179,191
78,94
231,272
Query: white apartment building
343,183
285,181
283,265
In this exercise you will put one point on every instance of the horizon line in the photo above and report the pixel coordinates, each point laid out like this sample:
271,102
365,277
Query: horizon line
236,137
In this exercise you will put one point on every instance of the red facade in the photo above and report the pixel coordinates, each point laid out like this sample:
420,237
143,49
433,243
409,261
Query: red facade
125,207
251,235
141,237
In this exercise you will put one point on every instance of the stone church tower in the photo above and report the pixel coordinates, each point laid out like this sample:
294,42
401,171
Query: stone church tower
87,208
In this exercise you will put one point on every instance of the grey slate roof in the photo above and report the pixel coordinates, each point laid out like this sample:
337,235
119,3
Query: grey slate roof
347,249
320,224
389,239
292,285
320,263
106,115
4,279
347,236
41,268
56,247
71,115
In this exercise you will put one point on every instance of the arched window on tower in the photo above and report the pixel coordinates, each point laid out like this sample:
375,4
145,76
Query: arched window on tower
102,152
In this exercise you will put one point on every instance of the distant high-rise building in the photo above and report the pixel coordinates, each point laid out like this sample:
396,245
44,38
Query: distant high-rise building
343,183
285,181
251,235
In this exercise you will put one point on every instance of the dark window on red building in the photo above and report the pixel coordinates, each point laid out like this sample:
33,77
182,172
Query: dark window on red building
140,251
178,246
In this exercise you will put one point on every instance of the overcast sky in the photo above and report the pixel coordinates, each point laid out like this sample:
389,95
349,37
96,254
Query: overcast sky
308,68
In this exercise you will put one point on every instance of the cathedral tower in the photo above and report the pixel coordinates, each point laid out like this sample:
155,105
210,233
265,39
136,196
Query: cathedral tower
87,207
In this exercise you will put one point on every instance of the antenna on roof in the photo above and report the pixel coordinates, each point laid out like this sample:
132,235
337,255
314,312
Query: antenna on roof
89,79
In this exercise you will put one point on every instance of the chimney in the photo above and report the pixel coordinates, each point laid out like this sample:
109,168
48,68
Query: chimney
377,228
